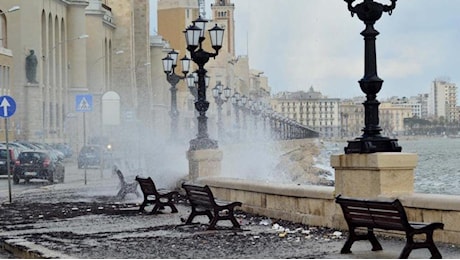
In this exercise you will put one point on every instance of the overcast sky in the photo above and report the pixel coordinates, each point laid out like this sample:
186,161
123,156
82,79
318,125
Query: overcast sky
303,43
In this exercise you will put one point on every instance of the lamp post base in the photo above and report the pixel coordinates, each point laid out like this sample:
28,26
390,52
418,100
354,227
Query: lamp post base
203,144
372,145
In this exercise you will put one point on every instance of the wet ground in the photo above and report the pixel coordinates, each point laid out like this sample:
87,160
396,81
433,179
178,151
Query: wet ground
75,221
102,229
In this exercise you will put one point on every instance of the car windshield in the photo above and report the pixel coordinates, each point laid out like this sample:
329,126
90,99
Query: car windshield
31,157
91,149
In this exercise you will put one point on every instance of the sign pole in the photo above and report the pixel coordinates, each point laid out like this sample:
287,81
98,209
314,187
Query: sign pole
8,169
84,103
8,107
84,139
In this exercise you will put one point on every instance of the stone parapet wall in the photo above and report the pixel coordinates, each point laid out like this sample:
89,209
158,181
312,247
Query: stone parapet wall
314,205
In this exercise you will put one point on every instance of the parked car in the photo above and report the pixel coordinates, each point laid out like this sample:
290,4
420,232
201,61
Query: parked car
91,156
38,164
3,162
66,149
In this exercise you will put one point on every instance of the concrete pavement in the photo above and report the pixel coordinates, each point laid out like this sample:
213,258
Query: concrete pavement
74,220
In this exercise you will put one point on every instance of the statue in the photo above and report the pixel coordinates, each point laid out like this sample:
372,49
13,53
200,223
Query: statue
31,67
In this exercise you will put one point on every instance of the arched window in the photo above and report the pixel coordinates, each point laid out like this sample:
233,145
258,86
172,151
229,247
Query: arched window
3,40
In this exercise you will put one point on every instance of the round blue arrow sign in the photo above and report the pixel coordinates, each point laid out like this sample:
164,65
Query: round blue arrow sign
7,106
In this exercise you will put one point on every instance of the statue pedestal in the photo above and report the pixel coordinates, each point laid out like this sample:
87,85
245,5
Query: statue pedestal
204,163
374,174
28,84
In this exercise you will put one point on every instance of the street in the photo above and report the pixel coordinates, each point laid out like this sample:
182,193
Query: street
72,175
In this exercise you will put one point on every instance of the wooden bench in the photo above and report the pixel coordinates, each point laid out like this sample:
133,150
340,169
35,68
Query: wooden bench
387,215
203,203
125,187
152,196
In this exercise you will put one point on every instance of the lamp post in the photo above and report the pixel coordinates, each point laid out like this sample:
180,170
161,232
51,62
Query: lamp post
236,102
194,36
192,83
371,141
242,104
169,66
217,92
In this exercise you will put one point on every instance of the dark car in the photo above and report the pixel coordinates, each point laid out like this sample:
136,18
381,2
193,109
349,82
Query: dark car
3,162
38,164
66,149
93,156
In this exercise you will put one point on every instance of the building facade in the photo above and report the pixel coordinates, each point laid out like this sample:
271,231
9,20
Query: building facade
310,109
443,100
63,48
48,42
6,69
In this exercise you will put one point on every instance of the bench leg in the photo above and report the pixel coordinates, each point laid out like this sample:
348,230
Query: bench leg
431,246
144,203
190,218
173,207
155,208
429,243
352,237
376,246
161,206
346,248
217,217
233,219
196,213
212,224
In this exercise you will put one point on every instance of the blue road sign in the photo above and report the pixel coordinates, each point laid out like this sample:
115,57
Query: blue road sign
7,106
84,103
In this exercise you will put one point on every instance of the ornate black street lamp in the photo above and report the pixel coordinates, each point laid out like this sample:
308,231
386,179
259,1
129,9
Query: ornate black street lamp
236,102
194,36
192,83
371,141
169,65
217,92
244,101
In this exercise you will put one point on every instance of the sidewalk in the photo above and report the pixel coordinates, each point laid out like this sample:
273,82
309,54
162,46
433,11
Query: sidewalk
73,220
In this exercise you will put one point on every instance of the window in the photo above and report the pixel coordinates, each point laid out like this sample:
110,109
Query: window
3,30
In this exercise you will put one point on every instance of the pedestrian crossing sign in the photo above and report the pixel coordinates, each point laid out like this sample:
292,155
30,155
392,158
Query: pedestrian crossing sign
84,103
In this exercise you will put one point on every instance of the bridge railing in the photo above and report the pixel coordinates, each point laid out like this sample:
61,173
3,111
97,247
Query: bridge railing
252,123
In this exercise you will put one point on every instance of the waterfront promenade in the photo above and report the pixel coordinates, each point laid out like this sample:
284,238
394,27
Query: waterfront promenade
73,220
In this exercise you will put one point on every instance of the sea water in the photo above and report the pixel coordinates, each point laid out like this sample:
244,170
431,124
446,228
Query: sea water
438,166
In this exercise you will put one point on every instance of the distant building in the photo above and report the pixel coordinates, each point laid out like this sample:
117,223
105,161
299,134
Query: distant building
311,109
442,100
414,103
351,118
392,118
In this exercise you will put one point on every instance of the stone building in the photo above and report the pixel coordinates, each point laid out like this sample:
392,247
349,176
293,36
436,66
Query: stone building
82,47
391,117
311,109
55,32
6,67
442,100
